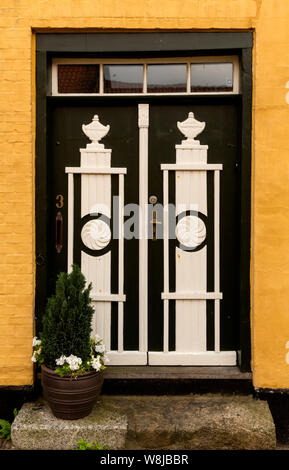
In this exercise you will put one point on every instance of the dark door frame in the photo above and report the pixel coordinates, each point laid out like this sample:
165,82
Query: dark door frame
133,44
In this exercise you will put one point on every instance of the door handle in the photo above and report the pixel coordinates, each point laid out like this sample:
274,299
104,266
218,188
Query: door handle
58,232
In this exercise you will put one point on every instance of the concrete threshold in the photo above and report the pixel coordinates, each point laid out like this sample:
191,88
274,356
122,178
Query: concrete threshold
176,373
201,422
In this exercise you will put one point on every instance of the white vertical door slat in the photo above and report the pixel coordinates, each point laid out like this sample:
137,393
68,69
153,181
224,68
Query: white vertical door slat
70,222
217,256
191,267
143,123
120,262
96,198
166,258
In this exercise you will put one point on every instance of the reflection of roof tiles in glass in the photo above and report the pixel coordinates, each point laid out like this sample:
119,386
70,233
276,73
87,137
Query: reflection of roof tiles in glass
78,78
176,87
211,88
114,86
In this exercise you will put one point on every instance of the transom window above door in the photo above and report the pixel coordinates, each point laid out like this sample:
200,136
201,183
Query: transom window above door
198,75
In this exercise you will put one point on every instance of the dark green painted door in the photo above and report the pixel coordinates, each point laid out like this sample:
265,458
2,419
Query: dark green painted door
66,140
222,117
222,120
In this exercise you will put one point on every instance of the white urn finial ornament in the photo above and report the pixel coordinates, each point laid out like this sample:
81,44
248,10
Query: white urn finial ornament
95,131
191,128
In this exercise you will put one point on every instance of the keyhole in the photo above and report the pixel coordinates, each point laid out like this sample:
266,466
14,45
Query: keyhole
59,232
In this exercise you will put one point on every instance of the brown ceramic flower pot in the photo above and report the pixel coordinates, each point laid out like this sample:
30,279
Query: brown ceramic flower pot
71,398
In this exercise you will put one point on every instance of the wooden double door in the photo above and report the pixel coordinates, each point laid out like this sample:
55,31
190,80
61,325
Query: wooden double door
169,293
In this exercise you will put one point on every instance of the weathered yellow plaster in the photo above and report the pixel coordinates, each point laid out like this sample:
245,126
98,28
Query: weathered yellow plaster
270,221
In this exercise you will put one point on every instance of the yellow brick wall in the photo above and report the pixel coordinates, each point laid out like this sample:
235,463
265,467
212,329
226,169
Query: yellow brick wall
270,231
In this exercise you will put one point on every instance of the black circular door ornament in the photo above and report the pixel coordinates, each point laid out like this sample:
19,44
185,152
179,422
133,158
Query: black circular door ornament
191,231
95,234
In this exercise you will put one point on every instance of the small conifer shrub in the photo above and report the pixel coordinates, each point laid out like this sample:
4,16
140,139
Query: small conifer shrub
67,320
65,343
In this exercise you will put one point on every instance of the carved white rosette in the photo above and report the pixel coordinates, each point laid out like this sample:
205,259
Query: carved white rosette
191,231
95,131
96,234
191,128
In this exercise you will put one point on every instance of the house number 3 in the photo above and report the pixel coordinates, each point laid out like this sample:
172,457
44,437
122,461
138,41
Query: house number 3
60,201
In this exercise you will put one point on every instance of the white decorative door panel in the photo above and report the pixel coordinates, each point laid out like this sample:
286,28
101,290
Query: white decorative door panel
96,234
191,293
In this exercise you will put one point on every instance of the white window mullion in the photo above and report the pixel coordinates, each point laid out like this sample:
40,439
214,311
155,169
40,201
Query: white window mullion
101,79
188,77
144,78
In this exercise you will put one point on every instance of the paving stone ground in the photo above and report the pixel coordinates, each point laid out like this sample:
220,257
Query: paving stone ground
5,445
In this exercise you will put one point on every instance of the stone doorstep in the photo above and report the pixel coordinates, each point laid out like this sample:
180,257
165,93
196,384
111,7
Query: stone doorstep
35,427
203,422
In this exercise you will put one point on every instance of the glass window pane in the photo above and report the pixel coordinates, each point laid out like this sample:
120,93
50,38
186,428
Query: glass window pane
78,78
212,77
165,78
123,78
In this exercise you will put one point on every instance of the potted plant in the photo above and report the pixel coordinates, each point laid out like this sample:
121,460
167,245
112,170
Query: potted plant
72,362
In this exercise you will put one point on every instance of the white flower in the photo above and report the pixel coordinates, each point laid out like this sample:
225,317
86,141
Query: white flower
97,338
36,342
74,362
95,363
100,348
105,359
60,361
33,358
